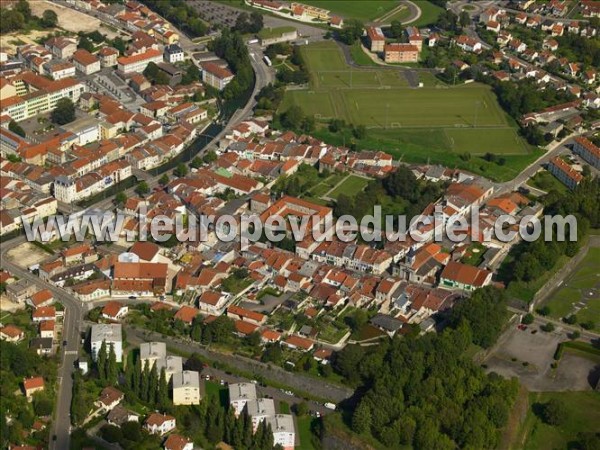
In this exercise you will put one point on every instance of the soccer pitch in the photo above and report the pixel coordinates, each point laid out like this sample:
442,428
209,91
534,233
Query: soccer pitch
468,117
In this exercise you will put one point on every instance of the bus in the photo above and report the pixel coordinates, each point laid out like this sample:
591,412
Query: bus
267,60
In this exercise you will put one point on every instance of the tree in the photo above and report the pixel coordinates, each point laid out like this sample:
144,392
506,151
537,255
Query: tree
111,433
554,412
575,335
571,320
119,44
23,7
359,131
164,180
86,44
196,162
42,405
527,319
16,128
111,366
351,32
210,157
120,198
292,117
64,112
181,170
101,361
465,19
151,71
142,188
361,419
396,29
49,19
301,409
543,311
548,327
12,20
162,396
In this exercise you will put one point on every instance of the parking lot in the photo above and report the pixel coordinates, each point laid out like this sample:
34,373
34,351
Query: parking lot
529,357
216,13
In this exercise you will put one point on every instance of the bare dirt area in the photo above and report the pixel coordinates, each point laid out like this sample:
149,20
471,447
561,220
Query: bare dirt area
10,41
529,357
7,305
69,19
26,255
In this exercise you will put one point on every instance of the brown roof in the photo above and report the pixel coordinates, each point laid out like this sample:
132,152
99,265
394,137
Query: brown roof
41,296
176,442
210,297
33,383
110,395
11,331
112,308
158,419
245,327
47,325
465,274
217,71
82,56
142,270
44,311
299,342
245,313
145,250
151,53
186,314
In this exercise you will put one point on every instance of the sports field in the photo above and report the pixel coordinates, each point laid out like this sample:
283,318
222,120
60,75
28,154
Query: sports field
355,9
580,293
461,119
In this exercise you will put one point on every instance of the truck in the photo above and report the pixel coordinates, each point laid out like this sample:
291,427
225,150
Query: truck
330,406
252,41
267,60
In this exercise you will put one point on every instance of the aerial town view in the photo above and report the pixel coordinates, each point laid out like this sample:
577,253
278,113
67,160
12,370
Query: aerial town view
315,224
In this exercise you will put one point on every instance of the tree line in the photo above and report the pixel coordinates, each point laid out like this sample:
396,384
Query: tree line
20,16
231,47
181,14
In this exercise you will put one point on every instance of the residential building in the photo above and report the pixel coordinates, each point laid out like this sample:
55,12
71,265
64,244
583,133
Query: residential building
401,53
111,335
216,76
85,62
240,394
138,63
259,409
171,364
173,53
33,385
108,56
375,39
564,172
463,276
150,352
177,442
284,433
588,151
186,388
109,398
114,310
467,43
62,47
159,423
11,333
20,290
59,70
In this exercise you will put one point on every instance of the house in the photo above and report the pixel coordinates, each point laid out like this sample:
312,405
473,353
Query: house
299,343
492,25
46,329
138,63
173,53
462,276
43,313
108,56
467,43
151,352
20,290
146,251
186,388
239,395
375,39
284,433
41,298
336,22
564,172
140,278
401,53
186,314
588,151
85,62
159,423
550,44
212,302
216,76
119,415
33,385
62,47
11,333
518,46
236,312
177,442
171,364
42,346
111,335
114,310
109,398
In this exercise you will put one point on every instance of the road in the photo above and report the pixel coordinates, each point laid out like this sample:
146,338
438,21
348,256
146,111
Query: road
71,323
296,381
414,14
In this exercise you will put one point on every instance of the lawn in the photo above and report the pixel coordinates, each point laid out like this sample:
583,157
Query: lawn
284,407
435,123
583,410
355,9
215,389
429,14
351,186
360,57
304,424
580,293
545,181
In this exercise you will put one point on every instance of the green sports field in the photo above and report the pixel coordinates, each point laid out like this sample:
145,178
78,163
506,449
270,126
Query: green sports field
435,120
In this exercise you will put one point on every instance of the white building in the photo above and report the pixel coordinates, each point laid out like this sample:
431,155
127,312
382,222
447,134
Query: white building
173,53
216,76
284,433
259,410
137,63
186,388
240,394
85,62
171,364
150,352
109,333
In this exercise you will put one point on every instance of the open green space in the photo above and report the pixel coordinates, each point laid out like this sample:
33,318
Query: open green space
356,9
400,14
429,14
304,432
582,416
580,293
351,186
436,123
545,181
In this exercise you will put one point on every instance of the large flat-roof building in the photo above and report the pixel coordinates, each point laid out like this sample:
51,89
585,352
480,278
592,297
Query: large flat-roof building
139,62
284,433
401,53
151,352
109,333
186,388
240,394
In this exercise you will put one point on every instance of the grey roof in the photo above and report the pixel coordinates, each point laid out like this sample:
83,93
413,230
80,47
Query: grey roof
171,364
281,423
187,378
386,322
242,391
106,332
153,350
44,343
261,407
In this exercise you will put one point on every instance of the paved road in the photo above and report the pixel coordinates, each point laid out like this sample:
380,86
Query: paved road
297,381
415,14
71,323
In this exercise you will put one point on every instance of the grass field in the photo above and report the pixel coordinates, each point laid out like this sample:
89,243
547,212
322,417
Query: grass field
435,122
545,181
356,9
429,14
351,186
580,293
583,416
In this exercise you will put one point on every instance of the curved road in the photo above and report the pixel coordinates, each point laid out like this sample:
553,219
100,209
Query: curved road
415,14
